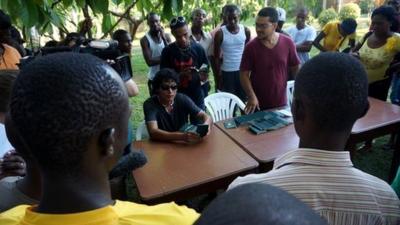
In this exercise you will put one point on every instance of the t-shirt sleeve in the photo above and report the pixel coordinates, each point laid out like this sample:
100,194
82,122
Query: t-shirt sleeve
150,112
311,34
191,108
203,56
327,28
293,58
290,32
247,59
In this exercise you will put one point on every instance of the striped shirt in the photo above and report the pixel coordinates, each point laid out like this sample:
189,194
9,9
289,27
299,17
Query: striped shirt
328,182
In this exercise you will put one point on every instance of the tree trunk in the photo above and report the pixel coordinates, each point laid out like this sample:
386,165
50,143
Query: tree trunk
134,26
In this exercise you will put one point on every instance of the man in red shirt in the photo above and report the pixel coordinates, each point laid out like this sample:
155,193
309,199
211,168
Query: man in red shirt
268,62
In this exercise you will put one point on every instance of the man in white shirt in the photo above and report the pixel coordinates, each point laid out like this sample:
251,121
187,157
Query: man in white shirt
231,39
152,43
302,34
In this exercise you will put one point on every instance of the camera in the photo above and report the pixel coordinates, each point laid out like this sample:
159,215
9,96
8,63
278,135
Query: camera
105,50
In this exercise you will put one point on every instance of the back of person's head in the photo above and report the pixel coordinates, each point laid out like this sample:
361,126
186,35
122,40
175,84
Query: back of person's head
61,102
73,37
258,204
51,43
270,12
349,25
119,34
164,75
334,88
7,78
231,8
390,14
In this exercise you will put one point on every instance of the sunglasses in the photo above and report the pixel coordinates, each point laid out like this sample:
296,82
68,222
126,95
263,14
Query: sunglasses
263,25
176,20
167,87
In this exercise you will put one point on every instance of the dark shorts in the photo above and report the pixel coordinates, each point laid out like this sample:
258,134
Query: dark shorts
231,83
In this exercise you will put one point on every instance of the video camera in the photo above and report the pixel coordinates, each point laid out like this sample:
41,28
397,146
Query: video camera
105,50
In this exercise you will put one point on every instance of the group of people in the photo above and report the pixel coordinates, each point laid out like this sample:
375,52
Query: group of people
66,115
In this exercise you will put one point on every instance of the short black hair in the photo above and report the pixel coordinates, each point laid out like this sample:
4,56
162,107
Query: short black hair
151,14
390,14
349,25
196,10
177,22
164,75
118,34
16,35
5,21
7,77
51,43
73,36
270,12
58,102
258,204
231,8
337,86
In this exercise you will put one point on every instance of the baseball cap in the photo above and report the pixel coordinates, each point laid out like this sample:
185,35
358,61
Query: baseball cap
281,14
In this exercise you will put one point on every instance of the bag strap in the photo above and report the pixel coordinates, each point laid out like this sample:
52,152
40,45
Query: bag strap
363,40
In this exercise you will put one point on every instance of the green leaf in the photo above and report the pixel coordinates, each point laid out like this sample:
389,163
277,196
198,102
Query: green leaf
147,5
67,3
128,2
106,24
55,18
29,13
117,2
99,6
139,6
81,3
167,9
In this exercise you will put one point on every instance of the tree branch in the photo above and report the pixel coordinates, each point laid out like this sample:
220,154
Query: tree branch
55,3
86,14
127,11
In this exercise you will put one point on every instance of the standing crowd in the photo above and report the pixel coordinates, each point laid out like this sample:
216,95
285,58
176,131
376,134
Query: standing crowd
66,118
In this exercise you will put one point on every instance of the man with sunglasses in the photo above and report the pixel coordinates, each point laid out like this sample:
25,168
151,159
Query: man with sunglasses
268,62
188,59
167,111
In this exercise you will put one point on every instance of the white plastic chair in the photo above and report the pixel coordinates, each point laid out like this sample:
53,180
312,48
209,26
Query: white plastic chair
141,132
289,92
221,105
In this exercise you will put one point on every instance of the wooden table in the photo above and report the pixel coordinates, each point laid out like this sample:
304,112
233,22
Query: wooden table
180,171
382,118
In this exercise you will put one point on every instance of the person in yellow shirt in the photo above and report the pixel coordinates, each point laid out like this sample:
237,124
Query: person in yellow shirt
378,50
337,36
71,111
